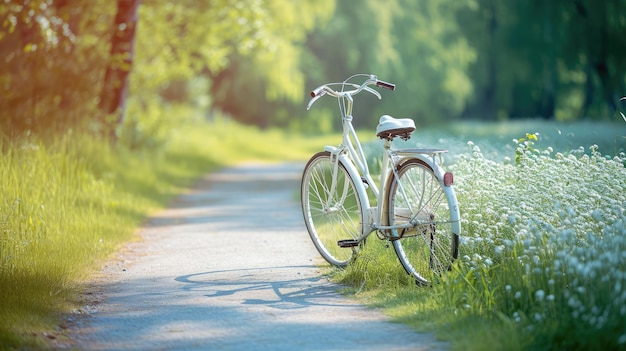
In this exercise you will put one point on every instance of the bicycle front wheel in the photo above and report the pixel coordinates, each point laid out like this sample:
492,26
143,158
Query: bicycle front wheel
331,209
428,247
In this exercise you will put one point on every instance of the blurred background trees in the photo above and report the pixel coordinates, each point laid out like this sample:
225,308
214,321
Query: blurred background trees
255,60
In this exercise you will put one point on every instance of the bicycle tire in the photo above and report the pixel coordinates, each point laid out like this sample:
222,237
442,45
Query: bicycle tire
330,217
427,249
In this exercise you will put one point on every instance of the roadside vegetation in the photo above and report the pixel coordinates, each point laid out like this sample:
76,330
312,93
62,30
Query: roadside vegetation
542,254
69,203
542,250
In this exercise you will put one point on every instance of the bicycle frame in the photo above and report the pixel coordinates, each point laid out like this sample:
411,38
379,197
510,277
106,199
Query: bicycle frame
353,158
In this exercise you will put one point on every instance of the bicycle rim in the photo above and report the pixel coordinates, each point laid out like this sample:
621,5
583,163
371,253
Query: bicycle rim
428,248
329,215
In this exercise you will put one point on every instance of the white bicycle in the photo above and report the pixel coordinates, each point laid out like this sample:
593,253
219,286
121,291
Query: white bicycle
415,206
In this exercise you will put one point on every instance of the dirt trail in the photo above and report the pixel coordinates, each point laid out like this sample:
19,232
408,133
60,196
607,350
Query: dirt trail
230,266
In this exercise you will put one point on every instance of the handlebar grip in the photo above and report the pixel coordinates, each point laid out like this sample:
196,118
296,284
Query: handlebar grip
382,84
317,92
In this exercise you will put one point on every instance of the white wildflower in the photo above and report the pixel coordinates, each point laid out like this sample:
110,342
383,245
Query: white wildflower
511,219
539,295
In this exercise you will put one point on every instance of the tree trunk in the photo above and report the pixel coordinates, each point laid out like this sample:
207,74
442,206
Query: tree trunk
589,92
491,89
603,64
115,86
550,74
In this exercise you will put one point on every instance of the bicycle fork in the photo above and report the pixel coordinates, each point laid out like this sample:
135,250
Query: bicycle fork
332,204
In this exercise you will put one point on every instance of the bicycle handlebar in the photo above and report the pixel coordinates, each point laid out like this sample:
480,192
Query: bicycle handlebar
383,84
372,80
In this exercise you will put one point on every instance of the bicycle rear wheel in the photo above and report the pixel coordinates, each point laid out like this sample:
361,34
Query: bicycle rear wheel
429,246
331,214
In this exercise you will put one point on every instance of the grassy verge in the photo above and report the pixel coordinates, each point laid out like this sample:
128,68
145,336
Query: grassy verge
69,203
542,255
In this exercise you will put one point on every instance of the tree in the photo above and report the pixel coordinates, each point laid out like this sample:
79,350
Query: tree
115,86
51,61
435,56
556,59
266,85
417,45
600,47
249,46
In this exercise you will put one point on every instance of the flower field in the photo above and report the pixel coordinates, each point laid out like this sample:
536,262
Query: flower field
543,252
544,245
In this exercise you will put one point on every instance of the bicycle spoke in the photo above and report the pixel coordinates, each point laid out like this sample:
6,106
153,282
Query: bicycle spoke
332,211
426,249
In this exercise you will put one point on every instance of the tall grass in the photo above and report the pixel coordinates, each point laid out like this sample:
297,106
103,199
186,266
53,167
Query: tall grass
543,255
67,204
58,211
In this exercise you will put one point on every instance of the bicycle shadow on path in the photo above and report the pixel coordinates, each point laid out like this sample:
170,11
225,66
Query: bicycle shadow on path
288,294
230,266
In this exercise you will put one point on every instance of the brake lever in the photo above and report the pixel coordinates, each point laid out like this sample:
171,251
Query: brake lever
377,94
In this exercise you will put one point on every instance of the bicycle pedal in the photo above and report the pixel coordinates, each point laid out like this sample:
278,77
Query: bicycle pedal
348,243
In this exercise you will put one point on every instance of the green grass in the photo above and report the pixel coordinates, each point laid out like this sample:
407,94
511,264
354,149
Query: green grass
542,257
67,204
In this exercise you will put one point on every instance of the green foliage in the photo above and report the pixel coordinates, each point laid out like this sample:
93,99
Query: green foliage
266,86
413,44
432,72
556,59
49,78
57,54
178,40
449,59
174,47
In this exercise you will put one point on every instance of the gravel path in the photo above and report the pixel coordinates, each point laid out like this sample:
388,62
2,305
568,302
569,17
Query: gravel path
230,266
